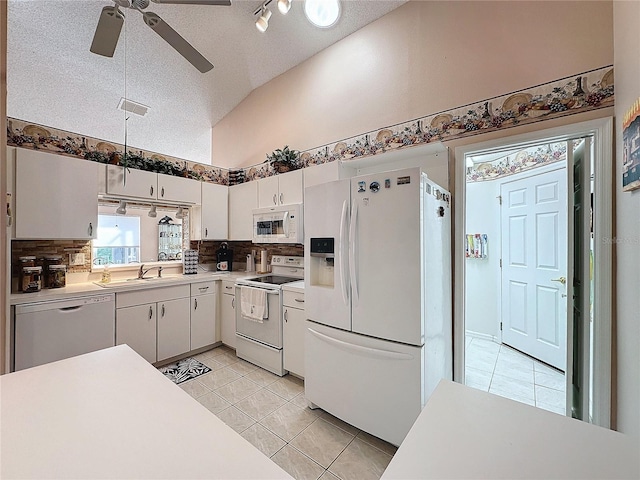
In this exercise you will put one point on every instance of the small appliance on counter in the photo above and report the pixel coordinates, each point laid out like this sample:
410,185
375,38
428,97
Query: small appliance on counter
190,262
224,258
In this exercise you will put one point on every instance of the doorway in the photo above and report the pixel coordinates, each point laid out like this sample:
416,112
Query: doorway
524,329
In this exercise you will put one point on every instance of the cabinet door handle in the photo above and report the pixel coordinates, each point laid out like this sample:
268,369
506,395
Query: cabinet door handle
286,316
275,202
90,229
203,289
228,287
150,312
163,310
162,192
151,190
280,199
299,300
195,303
206,232
233,302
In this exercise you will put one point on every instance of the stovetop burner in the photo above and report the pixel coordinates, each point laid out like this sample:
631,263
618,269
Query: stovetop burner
273,279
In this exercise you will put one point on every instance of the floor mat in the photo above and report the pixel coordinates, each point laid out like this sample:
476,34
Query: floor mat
184,370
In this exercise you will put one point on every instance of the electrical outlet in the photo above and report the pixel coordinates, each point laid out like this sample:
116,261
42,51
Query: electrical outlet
76,259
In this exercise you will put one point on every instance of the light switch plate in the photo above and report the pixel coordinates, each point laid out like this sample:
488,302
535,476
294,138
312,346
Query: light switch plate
76,259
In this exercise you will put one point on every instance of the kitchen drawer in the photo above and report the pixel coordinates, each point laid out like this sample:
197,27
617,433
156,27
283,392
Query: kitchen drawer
293,299
229,287
203,288
152,295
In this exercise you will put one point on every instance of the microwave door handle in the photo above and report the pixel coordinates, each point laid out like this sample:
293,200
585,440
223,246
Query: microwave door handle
285,223
352,252
343,255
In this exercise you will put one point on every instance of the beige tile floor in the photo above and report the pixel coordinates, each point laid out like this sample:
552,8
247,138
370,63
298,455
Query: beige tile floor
271,413
501,370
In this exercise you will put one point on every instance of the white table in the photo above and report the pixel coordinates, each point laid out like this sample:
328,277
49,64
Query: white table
110,414
466,433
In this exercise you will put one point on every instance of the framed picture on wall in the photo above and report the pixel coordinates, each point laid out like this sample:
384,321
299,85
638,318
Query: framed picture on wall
631,148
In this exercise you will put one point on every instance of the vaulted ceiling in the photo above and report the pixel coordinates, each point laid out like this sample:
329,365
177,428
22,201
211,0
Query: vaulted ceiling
54,80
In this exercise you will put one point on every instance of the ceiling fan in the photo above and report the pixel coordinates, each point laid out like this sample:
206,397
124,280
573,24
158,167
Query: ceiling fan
111,20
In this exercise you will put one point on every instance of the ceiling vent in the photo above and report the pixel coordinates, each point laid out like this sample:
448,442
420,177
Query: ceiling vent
133,107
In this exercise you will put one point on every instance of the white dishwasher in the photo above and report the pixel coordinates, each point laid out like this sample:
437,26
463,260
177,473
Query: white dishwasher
50,331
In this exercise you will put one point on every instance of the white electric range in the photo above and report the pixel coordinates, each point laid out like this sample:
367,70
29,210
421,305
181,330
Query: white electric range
260,341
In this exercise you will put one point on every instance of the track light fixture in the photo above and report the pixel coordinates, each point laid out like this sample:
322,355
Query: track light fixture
284,6
152,212
122,208
180,213
263,22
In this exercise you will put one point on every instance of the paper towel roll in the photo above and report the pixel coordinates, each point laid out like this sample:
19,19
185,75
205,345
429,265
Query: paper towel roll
263,261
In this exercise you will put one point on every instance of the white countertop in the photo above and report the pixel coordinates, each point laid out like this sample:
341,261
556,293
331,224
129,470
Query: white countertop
110,414
297,287
90,288
467,433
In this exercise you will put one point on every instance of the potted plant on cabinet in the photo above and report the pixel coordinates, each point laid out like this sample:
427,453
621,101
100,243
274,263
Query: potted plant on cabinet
284,160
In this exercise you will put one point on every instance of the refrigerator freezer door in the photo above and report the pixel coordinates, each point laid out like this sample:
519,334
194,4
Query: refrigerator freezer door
387,256
372,384
326,288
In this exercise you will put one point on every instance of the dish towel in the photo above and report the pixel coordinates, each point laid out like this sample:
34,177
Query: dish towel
253,304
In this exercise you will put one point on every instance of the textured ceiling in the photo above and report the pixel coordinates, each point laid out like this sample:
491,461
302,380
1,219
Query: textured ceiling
54,80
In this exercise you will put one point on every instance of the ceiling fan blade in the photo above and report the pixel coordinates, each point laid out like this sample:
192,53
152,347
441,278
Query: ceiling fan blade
224,3
174,39
107,33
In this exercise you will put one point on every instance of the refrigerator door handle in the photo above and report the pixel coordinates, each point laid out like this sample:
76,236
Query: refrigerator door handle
343,266
352,252
375,352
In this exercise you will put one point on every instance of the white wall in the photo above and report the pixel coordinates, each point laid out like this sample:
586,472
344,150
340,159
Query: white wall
482,295
627,329
422,58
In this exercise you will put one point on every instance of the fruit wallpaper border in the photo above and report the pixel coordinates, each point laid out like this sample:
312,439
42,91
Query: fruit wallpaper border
570,95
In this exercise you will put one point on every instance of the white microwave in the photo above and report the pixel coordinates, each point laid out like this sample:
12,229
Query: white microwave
281,224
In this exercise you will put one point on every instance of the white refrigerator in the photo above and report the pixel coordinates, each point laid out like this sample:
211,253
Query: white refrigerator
377,298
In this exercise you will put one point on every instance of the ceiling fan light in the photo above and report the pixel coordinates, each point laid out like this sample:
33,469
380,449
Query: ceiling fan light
263,22
284,6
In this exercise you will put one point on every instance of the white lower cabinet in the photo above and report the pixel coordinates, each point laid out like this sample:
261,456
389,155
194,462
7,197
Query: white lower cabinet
228,314
293,332
174,337
136,326
203,315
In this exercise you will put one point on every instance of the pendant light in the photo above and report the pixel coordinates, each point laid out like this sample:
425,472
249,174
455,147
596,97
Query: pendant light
152,212
122,208
180,213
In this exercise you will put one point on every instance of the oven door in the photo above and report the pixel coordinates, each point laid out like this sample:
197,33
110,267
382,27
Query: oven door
269,331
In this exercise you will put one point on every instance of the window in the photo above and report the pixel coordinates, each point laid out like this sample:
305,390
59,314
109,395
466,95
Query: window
118,240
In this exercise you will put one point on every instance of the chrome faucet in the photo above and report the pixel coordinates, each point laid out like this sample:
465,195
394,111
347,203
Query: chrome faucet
142,272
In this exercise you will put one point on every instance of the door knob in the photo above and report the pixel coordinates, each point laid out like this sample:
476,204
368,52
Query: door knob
562,280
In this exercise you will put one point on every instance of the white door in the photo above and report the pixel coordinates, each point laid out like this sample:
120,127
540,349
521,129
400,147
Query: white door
215,205
268,191
534,266
228,320
290,187
243,198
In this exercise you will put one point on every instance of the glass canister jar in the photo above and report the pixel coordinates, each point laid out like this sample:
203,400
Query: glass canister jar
31,279
28,261
47,262
57,276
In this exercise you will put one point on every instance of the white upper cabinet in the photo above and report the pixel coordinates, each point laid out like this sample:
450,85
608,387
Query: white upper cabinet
326,172
243,199
56,196
131,183
211,220
178,189
282,189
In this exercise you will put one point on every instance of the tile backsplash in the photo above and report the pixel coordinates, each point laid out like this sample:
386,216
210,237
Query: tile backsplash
207,251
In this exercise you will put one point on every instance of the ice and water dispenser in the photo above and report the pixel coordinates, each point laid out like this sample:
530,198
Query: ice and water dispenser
322,262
